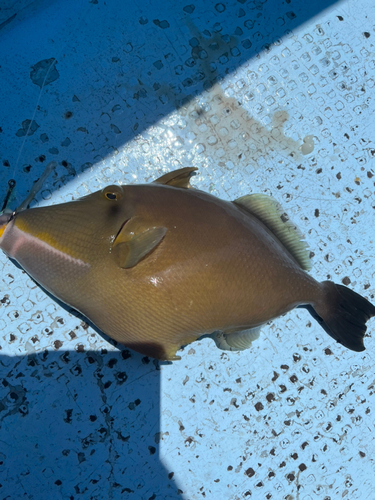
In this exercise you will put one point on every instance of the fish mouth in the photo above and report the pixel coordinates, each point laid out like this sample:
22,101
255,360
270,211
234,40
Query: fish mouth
5,218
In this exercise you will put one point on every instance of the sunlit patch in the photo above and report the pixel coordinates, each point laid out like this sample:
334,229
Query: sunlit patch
155,280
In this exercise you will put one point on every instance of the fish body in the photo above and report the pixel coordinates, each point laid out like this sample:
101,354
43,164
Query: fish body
158,265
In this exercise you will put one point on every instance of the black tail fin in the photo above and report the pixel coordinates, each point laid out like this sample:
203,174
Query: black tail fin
343,315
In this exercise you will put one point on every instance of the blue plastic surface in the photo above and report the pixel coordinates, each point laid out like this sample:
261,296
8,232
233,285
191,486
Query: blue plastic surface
123,92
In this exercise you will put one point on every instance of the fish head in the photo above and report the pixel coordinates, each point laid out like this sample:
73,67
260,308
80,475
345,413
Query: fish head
116,221
83,229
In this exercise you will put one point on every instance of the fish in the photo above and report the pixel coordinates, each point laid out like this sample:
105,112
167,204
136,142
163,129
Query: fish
159,265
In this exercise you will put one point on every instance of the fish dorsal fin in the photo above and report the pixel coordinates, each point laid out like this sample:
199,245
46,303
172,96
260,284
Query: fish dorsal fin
178,178
135,240
270,212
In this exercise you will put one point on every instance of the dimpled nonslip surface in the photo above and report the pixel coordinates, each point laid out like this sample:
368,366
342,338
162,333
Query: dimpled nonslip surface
263,97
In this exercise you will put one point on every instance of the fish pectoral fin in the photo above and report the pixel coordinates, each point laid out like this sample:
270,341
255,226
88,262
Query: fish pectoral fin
269,211
236,341
128,252
178,178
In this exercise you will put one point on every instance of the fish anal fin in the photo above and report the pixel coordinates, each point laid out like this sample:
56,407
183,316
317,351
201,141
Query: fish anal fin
236,341
178,178
271,214
134,242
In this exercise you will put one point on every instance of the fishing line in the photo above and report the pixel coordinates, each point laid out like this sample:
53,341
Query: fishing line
11,186
74,29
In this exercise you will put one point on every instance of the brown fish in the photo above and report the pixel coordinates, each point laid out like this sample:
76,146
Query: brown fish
156,266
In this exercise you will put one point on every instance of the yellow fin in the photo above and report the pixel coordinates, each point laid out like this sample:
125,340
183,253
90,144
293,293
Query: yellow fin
178,178
135,242
270,212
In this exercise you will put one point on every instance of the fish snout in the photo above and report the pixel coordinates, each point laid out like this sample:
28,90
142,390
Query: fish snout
5,218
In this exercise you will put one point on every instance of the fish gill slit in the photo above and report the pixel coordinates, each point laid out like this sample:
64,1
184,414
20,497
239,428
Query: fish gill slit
121,228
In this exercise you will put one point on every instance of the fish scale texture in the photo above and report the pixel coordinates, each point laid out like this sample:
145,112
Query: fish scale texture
121,93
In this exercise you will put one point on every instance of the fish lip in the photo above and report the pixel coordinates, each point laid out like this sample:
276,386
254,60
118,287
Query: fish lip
6,221
5,218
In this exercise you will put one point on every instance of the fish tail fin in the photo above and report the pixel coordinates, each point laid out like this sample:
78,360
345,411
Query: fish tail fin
343,314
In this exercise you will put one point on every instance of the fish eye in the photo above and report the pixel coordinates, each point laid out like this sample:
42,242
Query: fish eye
112,193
